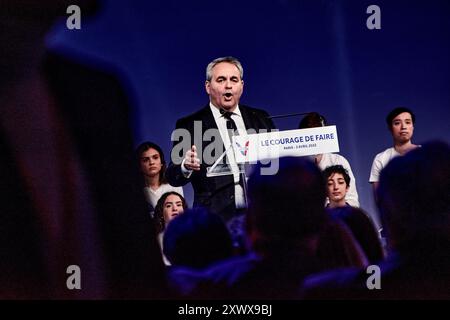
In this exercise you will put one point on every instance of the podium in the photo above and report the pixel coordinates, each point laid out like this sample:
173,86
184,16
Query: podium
270,146
221,167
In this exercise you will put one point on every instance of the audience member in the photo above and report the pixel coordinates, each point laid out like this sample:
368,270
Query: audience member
153,166
64,200
414,203
363,230
197,239
284,222
338,183
356,219
314,120
338,248
170,205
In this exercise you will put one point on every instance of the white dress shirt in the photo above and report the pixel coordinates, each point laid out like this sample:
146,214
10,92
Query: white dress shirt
221,122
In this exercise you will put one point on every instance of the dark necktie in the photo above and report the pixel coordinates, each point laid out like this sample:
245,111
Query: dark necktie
231,125
232,131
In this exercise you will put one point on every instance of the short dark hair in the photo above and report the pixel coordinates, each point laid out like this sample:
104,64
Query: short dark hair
160,224
337,169
144,146
396,112
312,120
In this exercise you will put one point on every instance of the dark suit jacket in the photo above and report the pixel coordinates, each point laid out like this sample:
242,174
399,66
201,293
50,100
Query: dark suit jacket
214,193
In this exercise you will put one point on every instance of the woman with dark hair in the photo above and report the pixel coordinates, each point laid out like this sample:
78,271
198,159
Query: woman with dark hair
170,205
153,167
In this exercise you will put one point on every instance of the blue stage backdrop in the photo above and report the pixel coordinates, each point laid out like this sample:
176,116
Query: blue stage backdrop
298,56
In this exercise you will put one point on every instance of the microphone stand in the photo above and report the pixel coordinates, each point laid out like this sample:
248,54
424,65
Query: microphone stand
288,115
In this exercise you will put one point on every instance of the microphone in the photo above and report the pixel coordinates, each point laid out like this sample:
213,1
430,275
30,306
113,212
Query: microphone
288,115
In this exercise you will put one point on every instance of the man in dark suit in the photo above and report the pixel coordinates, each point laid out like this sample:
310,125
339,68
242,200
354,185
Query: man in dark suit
223,195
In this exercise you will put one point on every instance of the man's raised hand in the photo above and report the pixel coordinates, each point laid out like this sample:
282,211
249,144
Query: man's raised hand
191,160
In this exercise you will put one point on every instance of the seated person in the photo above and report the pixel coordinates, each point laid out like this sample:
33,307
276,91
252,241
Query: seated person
338,183
314,120
170,205
66,194
153,166
284,222
415,209
197,239
357,220
338,248
363,230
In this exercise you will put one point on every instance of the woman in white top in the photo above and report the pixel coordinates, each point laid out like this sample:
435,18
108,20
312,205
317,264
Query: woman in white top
153,167
170,205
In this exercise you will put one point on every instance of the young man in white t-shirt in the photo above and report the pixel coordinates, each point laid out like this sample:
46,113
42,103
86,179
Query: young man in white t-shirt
400,122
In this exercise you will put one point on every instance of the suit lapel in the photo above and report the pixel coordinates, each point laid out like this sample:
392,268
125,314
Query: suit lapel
248,119
208,119
209,122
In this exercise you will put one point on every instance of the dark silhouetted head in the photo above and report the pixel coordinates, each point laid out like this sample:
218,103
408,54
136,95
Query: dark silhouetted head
287,207
362,229
414,197
312,120
196,239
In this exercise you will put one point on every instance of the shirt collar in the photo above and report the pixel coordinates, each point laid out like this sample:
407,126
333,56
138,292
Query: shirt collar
216,112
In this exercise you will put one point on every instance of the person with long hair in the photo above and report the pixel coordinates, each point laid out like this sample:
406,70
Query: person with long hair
153,167
169,206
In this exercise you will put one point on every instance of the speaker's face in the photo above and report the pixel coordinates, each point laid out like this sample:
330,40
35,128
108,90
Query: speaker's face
402,127
226,86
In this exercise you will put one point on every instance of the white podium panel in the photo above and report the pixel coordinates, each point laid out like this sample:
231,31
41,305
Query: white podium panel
297,143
